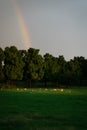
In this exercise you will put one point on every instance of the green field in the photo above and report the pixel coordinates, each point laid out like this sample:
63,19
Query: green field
43,109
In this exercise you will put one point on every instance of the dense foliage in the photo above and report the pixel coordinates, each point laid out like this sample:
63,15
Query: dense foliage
29,65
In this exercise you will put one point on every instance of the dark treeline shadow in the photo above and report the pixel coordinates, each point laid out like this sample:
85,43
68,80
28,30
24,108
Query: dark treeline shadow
28,68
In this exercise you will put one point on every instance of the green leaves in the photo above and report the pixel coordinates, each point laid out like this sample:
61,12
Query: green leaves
13,64
30,65
34,65
1,64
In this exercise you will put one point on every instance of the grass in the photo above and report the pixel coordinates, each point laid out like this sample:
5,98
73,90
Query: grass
43,109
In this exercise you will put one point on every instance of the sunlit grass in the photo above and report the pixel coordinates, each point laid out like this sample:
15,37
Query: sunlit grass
60,109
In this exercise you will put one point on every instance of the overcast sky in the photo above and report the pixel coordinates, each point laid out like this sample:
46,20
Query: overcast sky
58,27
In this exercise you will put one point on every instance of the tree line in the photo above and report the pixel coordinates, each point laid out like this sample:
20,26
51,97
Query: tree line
30,66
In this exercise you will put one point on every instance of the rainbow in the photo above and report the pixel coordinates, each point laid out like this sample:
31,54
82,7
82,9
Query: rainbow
23,27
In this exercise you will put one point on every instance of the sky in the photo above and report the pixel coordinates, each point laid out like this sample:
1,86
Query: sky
58,27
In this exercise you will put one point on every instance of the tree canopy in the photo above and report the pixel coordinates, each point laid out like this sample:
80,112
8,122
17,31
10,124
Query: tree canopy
29,65
13,64
1,64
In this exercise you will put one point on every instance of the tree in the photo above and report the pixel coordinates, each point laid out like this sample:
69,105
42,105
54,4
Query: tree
13,64
1,64
23,54
83,69
62,66
33,65
50,68
73,72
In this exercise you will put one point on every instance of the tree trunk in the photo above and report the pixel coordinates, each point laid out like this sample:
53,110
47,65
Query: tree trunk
0,85
45,83
30,83
12,83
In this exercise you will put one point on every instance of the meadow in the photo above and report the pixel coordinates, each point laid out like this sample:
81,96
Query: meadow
43,109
